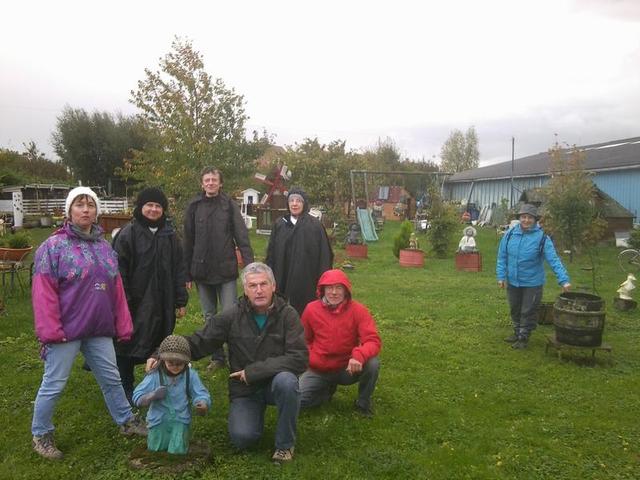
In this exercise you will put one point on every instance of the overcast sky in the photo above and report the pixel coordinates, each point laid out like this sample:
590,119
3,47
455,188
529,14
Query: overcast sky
355,70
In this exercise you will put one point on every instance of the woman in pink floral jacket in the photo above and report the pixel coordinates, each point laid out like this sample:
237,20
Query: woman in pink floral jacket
79,306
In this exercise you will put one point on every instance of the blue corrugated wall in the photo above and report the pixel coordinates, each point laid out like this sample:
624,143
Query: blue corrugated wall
622,185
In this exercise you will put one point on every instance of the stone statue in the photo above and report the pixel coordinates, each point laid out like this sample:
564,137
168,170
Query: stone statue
468,242
354,237
624,291
413,242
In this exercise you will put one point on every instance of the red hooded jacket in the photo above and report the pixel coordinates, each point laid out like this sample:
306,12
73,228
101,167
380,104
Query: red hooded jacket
334,336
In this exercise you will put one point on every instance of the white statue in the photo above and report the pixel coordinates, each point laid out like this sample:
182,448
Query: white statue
468,242
624,291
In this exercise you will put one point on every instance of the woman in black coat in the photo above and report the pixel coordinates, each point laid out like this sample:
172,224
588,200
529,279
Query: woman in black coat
299,251
154,277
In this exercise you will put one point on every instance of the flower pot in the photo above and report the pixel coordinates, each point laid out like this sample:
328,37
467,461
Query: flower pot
13,254
411,258
579,319
46,221
469,262
356,251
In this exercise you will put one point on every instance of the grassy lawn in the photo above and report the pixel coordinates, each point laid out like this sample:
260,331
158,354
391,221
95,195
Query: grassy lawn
453,400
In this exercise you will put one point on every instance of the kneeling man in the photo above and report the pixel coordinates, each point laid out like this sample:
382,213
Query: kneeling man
343,344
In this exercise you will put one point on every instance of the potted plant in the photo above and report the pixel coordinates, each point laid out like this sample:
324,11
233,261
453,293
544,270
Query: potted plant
15,247
406,248
571,216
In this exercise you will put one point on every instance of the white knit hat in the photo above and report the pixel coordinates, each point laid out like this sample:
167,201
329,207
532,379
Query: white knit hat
76,192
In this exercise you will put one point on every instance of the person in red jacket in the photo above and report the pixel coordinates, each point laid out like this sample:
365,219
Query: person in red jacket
343,344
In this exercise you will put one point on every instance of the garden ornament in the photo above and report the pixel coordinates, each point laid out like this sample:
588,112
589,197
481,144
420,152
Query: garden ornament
413,242
468,242
354,236
624,291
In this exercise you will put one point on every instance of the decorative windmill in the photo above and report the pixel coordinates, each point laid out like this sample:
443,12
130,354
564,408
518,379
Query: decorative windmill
275,181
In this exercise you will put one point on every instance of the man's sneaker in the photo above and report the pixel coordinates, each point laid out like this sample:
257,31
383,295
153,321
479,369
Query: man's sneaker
513,338
282,455
364,411
521,344
215,365
135,426
45,446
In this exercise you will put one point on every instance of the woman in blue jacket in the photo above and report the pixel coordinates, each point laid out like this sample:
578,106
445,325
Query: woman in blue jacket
520,267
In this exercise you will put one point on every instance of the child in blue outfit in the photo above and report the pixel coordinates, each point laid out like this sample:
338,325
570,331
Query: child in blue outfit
168,390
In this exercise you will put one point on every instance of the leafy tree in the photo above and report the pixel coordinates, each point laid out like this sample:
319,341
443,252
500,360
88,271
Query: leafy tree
460,151
571,213
93,146
321,170
443,220
30,167
196,121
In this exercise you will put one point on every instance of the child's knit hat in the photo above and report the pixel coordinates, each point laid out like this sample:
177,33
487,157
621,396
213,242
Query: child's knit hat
175,347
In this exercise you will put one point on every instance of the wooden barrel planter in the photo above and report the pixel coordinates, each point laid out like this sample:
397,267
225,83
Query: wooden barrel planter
545,313
356,251
411,258
579,319
469,262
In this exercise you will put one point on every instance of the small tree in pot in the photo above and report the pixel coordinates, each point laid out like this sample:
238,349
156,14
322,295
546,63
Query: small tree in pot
444,223
570,212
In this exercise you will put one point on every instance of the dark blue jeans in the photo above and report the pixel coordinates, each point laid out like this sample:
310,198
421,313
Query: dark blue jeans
209,296
246,414
318,387
523,303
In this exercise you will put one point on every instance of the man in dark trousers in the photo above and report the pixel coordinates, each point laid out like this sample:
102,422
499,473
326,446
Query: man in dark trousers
213,228
267,353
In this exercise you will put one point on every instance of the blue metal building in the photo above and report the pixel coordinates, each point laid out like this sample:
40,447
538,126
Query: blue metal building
615,166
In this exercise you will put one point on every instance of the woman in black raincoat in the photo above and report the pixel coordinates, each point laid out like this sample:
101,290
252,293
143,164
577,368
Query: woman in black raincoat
299,251
154,278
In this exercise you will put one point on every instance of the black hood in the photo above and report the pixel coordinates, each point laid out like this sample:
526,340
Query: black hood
299,191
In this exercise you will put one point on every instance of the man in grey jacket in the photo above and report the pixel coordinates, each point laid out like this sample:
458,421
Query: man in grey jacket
213,228
267,353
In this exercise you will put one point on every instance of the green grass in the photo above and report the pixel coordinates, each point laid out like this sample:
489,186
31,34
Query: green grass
453,400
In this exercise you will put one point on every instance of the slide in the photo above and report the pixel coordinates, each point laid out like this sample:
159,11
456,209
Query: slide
367,226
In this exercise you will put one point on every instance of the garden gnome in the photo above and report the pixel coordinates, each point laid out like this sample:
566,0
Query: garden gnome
624,292
413,242
468,242
353,238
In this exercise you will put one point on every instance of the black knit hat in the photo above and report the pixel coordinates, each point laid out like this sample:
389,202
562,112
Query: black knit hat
152,194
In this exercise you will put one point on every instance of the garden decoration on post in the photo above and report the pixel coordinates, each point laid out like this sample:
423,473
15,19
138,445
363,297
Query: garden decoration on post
354,244
468,258
624,301
402,247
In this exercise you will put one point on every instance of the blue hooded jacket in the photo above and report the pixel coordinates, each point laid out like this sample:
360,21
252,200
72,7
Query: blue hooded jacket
520,261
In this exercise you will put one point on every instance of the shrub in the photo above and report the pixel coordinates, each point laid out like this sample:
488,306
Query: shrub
634,239
401,241
444,223
19,240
